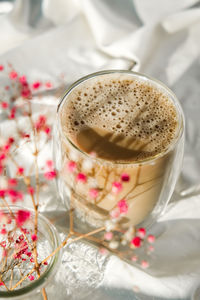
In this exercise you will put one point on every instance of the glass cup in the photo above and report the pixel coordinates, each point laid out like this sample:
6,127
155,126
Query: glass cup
86,182
47,242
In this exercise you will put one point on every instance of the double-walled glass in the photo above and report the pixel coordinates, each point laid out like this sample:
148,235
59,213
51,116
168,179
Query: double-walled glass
152,180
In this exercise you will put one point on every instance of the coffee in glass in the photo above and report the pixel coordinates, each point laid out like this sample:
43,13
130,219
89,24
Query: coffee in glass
119,139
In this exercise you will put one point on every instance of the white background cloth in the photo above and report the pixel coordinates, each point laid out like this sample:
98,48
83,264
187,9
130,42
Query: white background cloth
157,37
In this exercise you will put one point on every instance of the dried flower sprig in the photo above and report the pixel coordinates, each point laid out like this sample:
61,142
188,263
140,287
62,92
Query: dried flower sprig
18,242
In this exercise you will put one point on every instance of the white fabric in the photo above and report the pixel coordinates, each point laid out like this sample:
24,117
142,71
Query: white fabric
160,38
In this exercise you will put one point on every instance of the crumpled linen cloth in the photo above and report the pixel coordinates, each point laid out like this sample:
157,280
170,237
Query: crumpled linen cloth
156,37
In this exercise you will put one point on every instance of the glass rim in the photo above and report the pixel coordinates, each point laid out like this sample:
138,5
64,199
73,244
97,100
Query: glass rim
49,271
138,75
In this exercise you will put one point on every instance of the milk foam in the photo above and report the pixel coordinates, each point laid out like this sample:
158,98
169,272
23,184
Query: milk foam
118,107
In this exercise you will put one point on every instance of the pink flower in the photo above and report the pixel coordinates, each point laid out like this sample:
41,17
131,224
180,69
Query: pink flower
47,130
103,251
134,258
136,242
1,283
115,213
15,195
22,216
93,193
6,148
12,113
31,277
36,85
25,91
141,232
31,190
48,84
71,166
151,248
108,236
3,231
1,67
2,193
3,244
125,177
20,171
144,264
13,75
2,156
12,182
50,175
1,168
41,122
11,140
151,239
34,237
28,253
4,254
49,164
4,104
123,206
22,79
81,177
25,135
116,187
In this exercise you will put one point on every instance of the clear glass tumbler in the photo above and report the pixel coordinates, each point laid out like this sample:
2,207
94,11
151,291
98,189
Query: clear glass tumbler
86,181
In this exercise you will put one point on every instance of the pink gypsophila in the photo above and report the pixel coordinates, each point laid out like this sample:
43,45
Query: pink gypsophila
12,113
93,193
81,177
2,156
144,264
50,175
10,140
125,177
116,187
20,171
136,242
49,164
2,193
108,236
47,130
3,231
1,67
25,90
41,122
22,79
31,190
12,182
4,105
31,277
13,75
123,206
103,251
36,85
71,166
141,232
48,85
22,216
151,239
34,237
14,195
115,213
